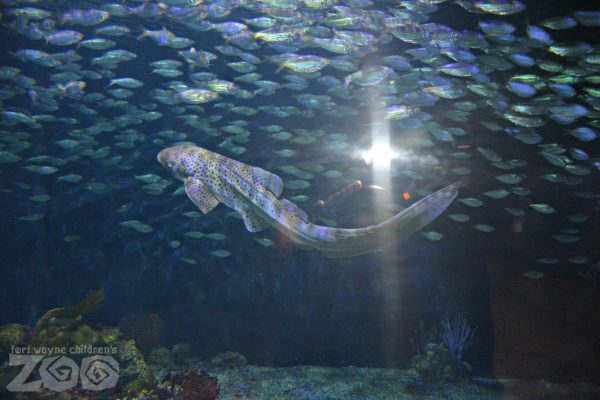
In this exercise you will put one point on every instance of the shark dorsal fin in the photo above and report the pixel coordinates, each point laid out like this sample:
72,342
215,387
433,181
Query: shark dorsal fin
200,195
267,180
294,210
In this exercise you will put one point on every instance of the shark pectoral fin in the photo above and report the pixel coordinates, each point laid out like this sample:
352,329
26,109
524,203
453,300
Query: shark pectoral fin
253,222
267,180
200,195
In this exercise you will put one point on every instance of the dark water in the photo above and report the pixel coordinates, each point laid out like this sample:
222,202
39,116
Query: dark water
279,305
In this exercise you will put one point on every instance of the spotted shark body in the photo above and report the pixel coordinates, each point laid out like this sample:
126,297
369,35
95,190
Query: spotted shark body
211,178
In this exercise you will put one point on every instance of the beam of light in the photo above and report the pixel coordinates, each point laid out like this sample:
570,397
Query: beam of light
380,155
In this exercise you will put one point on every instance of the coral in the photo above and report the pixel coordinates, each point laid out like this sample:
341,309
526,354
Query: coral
84,335
194,385
440,352
438,363
133,370
145,394
108,335
161,357
146,330
229,359
457,334
181,353
13,334
200,386
64,336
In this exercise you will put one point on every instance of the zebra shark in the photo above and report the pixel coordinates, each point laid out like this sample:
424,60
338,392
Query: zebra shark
211,178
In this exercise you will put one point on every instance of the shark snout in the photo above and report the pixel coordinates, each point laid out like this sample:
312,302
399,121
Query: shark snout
162,156
168,157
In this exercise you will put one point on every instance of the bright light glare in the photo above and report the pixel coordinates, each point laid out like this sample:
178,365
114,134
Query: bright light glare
380,154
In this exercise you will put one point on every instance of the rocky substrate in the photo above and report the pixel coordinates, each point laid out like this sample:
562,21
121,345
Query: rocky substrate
324,383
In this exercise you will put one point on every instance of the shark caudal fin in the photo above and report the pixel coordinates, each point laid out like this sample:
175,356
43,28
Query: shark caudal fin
354,242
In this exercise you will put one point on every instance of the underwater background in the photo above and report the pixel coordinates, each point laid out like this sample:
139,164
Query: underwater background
503,93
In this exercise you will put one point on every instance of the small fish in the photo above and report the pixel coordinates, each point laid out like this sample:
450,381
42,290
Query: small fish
41,198
368,76
460,69
558,23
542,208
460,217
197,96
471,202
64,38
304,63
548,260
71,178
215,236
510,179
400,112
433,236
534,275
194,234
500,7
497,193
489,155
221,253
264,242
484,228
31,217
160,37
137,225
98,44
566,238
129,83
41,169
579,260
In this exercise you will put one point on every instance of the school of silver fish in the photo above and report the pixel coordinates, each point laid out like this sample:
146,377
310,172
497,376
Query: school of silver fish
466,87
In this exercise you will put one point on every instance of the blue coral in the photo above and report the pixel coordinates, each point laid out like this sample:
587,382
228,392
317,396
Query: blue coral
456,334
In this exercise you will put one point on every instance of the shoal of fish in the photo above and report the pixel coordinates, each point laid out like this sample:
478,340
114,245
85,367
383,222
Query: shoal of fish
86,93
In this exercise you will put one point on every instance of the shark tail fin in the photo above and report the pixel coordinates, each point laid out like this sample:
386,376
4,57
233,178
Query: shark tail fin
423,212
406,222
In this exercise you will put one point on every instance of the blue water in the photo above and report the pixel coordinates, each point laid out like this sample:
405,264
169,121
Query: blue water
280,305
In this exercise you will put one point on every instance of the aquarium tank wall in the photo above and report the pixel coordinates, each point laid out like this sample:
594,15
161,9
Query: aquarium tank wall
299,199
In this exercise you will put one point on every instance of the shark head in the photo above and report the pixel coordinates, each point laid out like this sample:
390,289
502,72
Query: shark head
177,160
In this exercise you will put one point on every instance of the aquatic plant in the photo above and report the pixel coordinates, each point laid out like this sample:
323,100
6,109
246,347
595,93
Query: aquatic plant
456,334
423,337
440,351
13,334
62,327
